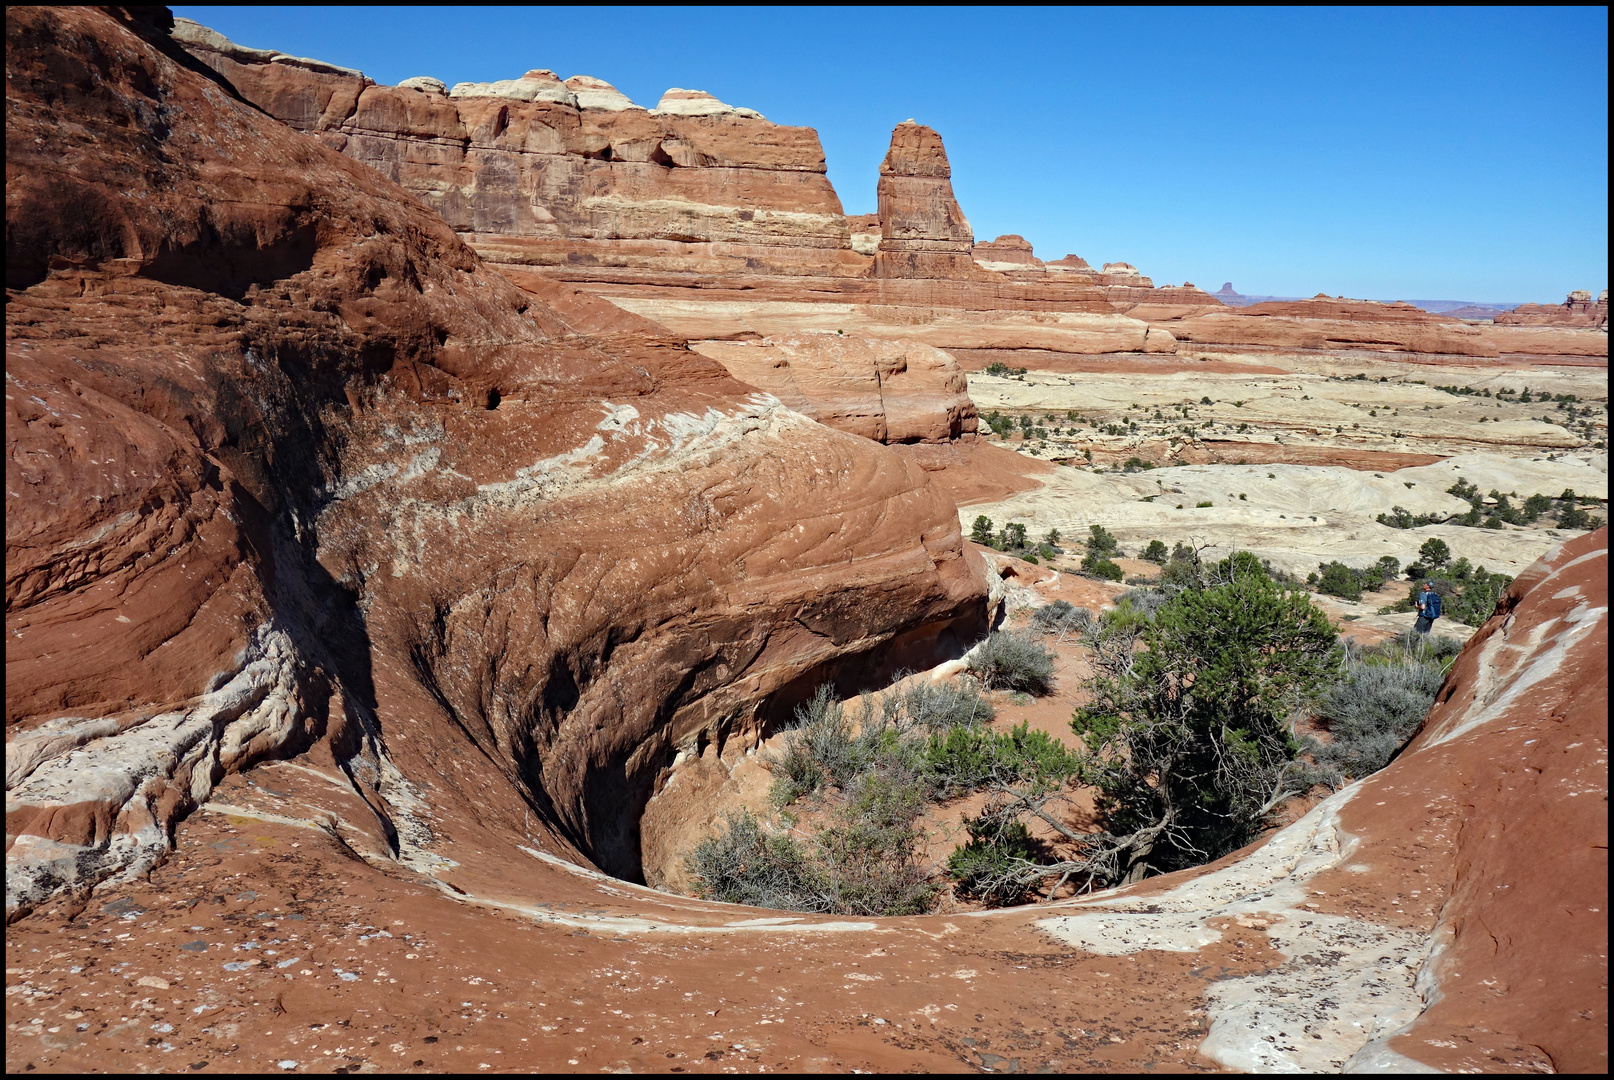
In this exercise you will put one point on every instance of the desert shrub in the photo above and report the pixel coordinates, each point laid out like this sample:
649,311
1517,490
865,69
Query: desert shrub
819,750
981,531
985,868
868,856
1061,617
1102,542
1012,539
1104,569
1011,661
1534,507
864,863
1434,552
1337,579
1155,552
1571,516
1145,601
1373,711
746,865
936,706
967,759
1401,518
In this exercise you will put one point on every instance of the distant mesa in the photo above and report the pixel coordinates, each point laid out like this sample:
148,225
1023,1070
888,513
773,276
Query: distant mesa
1578,311
704,217
1011,252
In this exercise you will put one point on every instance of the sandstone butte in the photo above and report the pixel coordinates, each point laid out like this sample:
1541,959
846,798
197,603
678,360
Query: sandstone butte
359,597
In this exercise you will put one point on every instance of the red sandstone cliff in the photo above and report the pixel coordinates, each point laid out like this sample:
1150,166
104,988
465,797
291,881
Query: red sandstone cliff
697,203
539,173
289,470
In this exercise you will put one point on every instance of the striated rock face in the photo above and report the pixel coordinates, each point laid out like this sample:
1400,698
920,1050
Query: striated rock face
544,173
1516,751
888,391
291,472
1006,253
1578,310
923,233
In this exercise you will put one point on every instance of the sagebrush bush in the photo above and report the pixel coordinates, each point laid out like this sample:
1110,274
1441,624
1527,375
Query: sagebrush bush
1010,661
1374,710
819,750
1061,617
936,706
745,865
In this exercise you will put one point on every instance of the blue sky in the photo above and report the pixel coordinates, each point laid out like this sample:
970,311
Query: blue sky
1382,153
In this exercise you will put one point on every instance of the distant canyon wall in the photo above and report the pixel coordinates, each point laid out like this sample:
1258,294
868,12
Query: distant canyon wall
713,221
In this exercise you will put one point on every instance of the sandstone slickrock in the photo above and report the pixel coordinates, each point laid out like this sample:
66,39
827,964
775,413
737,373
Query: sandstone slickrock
289,470
888,391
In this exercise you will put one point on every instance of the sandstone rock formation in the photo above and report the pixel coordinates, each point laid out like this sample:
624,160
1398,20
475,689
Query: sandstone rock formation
537,172
293,475
888,391
923,233
1328,324
572,181
1577,310
290,470
1006,253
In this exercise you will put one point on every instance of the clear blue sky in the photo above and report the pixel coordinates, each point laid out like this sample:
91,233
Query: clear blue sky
1389,154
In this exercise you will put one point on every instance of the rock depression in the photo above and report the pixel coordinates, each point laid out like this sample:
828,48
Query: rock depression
288,466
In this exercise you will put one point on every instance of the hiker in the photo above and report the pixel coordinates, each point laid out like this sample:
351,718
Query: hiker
1428,606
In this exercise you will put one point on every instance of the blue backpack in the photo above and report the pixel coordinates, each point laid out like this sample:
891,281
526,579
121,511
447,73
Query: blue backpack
1431,606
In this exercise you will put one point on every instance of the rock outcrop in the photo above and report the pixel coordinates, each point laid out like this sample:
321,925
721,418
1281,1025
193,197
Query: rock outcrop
923,233
1578,310
888,391
290,471
679,204
411,581
1335,324
543,173
1007,253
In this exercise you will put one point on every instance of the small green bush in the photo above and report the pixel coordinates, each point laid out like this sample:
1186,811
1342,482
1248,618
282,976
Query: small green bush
1337,579
1155,552
1103,568
1010,661
982,869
